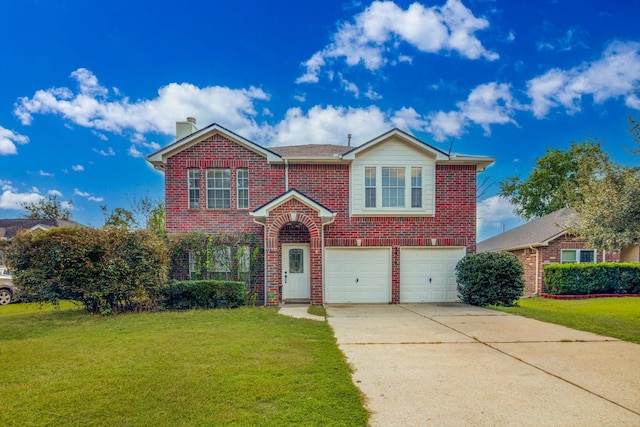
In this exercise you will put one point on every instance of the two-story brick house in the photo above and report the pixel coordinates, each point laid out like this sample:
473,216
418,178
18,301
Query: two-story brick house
384,222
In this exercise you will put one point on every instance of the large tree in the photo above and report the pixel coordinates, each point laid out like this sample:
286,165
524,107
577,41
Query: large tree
48,208
555,180
609,211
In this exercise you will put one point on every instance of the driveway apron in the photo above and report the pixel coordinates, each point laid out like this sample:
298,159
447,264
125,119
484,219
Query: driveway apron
454,364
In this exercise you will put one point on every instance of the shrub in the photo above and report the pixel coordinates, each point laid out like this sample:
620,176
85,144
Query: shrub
108,270
587,278
490,278
190,294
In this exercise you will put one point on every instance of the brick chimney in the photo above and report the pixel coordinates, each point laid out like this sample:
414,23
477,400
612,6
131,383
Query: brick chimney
185,128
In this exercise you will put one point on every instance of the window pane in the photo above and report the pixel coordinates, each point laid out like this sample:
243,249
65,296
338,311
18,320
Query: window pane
194,188
242,176
370,187
568,256
218,188
416,187
392,187
370,197
587,256
296,261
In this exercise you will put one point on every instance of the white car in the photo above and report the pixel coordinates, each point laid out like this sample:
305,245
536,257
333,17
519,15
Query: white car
8,292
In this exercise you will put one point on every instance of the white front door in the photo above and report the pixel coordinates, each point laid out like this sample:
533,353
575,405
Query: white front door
295,271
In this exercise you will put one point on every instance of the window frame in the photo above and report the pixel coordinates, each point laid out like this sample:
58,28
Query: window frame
212,190
379,189
193,202
244,188
578,257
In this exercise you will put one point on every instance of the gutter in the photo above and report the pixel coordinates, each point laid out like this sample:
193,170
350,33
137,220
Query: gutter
286,174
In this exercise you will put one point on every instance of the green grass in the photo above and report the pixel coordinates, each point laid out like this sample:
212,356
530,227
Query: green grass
317,310
613,317
248,366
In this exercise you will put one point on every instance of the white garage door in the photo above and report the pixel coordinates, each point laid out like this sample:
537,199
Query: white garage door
359,275
428,274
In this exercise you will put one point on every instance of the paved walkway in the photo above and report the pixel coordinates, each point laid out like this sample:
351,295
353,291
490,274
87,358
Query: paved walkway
453,364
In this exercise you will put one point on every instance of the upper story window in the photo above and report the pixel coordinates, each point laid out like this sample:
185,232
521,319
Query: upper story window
194,188
577,255
218,188
370,187
393,187
242,186
416,187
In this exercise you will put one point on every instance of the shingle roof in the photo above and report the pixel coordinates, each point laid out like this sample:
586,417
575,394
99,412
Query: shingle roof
9,227
310,150
538,232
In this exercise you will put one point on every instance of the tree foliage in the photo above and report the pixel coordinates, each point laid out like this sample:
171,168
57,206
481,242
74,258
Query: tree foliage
108,270
609,211
118,218
48,208
555,181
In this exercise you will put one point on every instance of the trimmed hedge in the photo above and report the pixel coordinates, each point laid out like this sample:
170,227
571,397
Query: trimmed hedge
184,295
586,279
490,278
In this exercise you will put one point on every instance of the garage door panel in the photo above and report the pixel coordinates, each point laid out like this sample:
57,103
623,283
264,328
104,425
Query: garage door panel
428,274
357,275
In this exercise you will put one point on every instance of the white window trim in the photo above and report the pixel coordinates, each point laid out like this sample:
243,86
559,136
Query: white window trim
407,209
238,188
189,188
578,251
217,188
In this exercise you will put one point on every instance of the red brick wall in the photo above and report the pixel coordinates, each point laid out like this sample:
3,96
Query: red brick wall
454,223
547,255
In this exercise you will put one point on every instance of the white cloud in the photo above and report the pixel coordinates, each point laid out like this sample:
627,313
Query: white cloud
77,168
43,173
87,195
8,141
371,39
9,199
299,98
133,152
372,94
611,76
54,193
493,214
7,185
106,153
100,135
329,125
487,104
92,107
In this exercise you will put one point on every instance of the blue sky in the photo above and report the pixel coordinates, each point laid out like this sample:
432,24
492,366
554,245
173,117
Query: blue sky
88,89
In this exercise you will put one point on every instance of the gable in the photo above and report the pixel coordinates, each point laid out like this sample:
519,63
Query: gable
398,154
160,157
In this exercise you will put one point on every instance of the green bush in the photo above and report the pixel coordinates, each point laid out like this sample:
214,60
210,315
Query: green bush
190,294
490,278
108,270
587,278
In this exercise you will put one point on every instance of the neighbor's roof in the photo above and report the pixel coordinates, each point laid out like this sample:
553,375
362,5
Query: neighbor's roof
538,232
9,227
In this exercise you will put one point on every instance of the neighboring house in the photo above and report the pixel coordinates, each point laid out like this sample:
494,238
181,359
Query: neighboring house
384,222
541,242
9,228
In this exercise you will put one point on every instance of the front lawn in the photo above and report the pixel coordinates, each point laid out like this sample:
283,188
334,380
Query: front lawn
248,366
613,317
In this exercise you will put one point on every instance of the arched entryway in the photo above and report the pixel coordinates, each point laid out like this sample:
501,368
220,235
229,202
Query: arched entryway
294,239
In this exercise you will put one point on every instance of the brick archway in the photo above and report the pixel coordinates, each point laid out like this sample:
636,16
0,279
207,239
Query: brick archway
292,212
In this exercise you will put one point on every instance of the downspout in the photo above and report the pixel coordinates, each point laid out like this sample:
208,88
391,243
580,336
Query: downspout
286,175
537,268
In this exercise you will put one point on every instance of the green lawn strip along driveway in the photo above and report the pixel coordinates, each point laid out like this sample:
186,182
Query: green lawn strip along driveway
613,317
248,366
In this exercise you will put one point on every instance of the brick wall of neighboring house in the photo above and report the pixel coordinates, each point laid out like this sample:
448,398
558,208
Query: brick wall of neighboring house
550,254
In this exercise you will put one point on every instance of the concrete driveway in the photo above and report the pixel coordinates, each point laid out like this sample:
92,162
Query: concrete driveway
453,364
